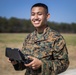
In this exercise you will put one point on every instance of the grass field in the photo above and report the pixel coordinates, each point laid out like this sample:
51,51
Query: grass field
16,40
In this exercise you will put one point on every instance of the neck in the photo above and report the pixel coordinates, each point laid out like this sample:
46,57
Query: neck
41,29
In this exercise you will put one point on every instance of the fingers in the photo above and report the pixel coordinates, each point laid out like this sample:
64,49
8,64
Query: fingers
35,63
30,64
11,61
33,68
31,58
8,60
14,62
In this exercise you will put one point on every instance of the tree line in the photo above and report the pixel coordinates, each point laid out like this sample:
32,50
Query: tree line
16,25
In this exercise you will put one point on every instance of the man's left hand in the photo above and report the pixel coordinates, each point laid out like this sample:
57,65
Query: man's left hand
35,64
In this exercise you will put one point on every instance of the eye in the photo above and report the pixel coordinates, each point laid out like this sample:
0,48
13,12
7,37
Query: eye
32,14
39,13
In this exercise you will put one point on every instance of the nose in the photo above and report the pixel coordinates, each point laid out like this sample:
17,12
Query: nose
36,16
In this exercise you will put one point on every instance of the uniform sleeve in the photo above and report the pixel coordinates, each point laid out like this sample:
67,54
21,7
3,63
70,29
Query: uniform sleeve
19,66
60,60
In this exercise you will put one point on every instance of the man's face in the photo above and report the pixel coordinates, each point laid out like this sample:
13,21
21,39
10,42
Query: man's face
38,16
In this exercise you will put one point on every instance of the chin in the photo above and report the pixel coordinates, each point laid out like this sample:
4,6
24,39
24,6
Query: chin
37,26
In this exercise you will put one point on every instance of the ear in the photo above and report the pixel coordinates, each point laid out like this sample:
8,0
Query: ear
48,16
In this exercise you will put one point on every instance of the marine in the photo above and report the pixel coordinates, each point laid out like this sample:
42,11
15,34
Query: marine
50,48
46,48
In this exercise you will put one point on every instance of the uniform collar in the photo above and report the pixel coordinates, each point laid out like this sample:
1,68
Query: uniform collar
45,30
44,34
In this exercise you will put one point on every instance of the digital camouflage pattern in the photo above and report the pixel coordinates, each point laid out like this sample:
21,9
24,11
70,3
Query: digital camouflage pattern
50,48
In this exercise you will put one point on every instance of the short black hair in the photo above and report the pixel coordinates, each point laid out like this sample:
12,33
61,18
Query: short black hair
40,5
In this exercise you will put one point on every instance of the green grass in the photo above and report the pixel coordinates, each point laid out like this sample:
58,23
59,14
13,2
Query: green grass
70,39
19,37
12,38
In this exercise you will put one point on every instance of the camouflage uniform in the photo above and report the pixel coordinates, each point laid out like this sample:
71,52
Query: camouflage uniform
50,48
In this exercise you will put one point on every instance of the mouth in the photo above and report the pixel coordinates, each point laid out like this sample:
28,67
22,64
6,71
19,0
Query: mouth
36,21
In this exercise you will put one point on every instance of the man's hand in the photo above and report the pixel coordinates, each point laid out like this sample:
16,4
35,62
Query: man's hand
13,62
35,64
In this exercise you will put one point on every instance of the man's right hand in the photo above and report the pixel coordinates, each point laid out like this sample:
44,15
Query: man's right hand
13,62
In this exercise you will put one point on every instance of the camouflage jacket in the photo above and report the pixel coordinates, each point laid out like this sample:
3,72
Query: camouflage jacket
50,48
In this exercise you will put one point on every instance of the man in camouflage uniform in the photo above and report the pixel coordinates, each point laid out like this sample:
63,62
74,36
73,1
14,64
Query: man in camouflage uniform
45,47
